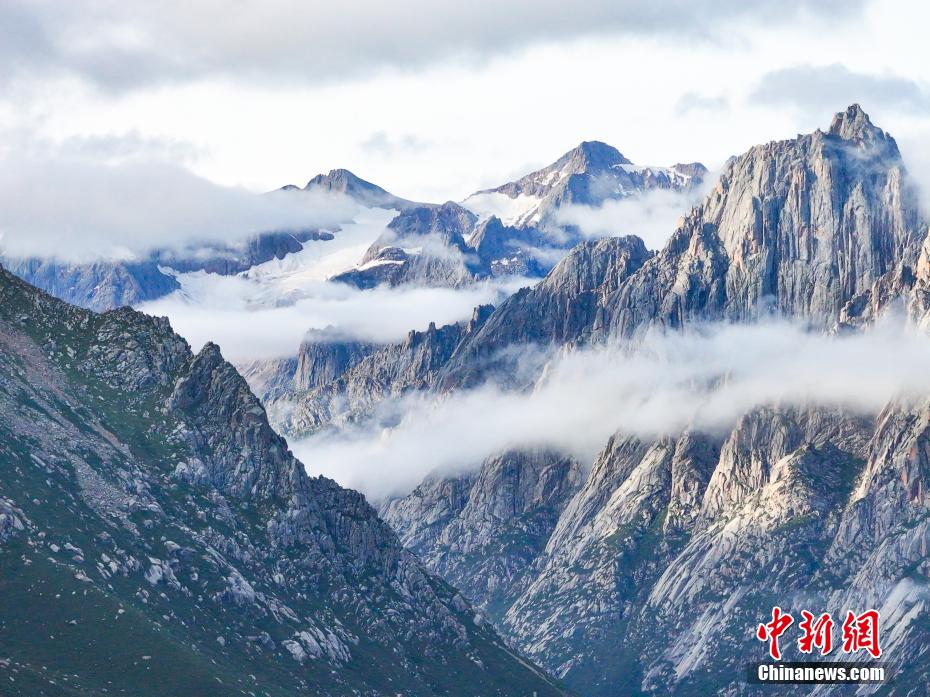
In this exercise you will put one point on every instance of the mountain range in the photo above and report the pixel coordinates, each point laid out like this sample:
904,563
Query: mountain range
152,481
649,569
444,245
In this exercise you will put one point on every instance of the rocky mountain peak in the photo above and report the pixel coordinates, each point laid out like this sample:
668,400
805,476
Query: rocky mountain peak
593,156
855,125
342,181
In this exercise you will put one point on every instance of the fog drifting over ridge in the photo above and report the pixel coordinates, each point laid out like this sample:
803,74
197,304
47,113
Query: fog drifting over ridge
76,210
652,215
702,378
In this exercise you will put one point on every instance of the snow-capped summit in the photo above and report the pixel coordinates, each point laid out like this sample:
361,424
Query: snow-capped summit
588,175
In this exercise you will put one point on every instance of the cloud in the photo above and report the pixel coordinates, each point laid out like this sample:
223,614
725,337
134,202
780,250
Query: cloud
915,149
651,216
694,101
819,89
74,209
122,44
383,145
261,321
704,378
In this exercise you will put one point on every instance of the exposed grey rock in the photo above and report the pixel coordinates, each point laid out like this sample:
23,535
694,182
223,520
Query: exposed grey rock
424,245
671,552
391,371
562,309
486,529
98,286
796,228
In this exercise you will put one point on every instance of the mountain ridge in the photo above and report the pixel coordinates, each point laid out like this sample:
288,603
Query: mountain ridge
202,557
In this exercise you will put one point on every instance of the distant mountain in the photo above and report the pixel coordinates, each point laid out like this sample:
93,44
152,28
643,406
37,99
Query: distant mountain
106,285
101,285
157,537
423,245
513,229
342,181
587,175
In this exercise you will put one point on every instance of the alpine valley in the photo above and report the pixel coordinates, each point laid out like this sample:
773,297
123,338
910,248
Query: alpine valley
156,529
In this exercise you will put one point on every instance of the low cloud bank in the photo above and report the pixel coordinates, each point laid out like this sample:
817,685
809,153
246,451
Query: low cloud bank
651,216
74,210
704,379
252,322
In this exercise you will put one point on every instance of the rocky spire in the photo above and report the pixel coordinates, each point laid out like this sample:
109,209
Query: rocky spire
854,124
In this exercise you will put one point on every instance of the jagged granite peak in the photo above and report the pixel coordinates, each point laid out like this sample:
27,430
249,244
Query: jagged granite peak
823,229
797,228
161,534
659,567
564,308
854,124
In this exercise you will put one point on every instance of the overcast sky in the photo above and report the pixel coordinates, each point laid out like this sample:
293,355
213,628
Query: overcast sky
434,100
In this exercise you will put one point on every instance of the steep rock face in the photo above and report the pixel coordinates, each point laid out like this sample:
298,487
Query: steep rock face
797,228
163,534
322,359
424,245
504,250
823,229
882,544
391,371
647,575
559,310
324,355
97,286
487,528
671,551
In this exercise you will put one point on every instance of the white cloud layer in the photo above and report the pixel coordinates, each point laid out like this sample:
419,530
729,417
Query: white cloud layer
703,378
74,209
652,216
250,322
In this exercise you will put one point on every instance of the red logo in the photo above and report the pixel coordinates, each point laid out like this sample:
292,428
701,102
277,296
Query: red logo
774,629
860,632
817,633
